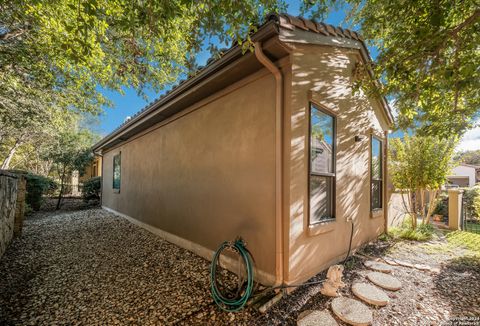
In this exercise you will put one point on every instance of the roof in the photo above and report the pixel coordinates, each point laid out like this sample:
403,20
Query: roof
272,26
470,165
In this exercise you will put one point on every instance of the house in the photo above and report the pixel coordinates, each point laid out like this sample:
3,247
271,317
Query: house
464,175
270,145
92,170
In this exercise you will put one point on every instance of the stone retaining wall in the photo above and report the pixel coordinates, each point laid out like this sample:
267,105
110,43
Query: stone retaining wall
8,200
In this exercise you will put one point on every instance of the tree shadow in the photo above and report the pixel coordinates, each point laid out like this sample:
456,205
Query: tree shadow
459,283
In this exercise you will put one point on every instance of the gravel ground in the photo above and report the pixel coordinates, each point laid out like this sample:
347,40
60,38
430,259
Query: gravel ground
91,267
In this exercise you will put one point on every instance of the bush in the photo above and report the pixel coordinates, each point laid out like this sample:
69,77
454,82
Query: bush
37,187
423,232
91,188
471,198
441,207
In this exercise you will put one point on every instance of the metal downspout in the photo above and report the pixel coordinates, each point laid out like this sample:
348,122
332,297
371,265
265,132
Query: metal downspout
279,277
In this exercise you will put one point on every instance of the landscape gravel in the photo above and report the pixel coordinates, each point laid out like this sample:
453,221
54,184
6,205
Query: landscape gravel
91,267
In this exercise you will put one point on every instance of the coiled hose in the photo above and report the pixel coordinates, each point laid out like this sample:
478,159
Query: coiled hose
237,301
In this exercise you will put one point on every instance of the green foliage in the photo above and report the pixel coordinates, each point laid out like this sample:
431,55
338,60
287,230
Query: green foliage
428,58
468,157
420,162
70,153
406,231
471,198
92,188
441,207
419,165
37,187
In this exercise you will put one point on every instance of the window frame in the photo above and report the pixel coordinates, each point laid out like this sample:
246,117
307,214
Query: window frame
332,175
117,190
380,140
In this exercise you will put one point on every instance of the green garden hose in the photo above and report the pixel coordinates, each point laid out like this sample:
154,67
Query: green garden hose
237,301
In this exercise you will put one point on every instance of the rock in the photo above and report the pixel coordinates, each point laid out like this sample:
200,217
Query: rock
370,294
351,311
377,266
390,261
404,263
422,267
316,318
385,281
333,282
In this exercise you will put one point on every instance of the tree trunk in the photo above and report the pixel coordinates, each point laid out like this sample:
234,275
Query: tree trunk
431,206
8,159
62,182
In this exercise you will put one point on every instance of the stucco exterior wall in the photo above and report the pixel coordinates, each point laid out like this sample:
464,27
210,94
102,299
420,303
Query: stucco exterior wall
324,75
206,176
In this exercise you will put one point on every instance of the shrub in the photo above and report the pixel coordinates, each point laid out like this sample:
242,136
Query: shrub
37,186
423,232
442,205
471,198
91,188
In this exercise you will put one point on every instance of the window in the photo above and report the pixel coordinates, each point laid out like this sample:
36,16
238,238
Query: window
117,172
376,166
322,166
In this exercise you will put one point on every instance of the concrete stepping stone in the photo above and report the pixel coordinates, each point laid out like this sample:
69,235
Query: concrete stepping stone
370,294
422,267
351,311
390,261
316,318
377,266
384,281
404,263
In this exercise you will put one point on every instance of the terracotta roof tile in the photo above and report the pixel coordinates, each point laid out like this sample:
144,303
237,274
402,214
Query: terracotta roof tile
322,29
289,21
297,22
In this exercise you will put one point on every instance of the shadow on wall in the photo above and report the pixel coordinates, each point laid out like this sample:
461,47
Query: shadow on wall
328,81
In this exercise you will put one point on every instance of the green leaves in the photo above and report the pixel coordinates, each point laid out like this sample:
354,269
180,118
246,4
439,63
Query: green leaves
420,162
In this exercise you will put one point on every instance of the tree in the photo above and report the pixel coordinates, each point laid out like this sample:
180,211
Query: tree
56,55
418,166
70,153
468,157
428,60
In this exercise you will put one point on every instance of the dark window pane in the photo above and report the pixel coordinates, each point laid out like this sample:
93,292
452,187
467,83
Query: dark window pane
376,194
116,171
321,198
321,141
376,158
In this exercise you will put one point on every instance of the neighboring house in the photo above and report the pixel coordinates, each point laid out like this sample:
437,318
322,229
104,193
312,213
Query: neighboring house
92,170
464,175
271,145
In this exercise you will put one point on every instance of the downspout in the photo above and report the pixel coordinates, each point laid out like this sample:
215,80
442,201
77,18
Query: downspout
279,277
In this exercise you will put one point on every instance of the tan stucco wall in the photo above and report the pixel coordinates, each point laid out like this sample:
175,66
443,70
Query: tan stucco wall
207,176
324,75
